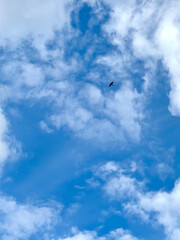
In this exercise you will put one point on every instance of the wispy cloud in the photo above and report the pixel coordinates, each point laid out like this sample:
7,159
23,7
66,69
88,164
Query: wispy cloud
10,148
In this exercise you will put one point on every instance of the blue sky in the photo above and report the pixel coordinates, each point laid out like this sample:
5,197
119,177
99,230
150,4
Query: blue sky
80,160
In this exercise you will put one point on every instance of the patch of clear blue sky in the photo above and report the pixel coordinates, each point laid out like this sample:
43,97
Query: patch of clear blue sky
56,162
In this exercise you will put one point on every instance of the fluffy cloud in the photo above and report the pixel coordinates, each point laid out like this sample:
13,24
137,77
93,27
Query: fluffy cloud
106,117
20,221
31,19
118,234
122,187
161,207
86,235
165,206
22,74
167,36
118,185
86,110
33,22
153,29
119,113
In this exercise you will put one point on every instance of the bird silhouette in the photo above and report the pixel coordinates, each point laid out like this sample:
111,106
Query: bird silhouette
111,84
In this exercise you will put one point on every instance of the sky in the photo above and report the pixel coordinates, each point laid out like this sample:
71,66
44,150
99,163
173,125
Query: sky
80,160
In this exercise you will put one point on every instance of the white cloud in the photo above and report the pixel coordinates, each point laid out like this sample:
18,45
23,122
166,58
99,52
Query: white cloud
118,185
159,207
114,61
20,221
34,21
84,109
167,38
93,115
74,116
92,94
121,18
154,33
165,206
125,108
22,73
31,19
9,148
3,144
142,47
122,187
118,234
83,236
45,127
118,115
107,168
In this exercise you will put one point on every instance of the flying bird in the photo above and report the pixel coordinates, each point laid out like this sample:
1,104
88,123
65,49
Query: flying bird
111,84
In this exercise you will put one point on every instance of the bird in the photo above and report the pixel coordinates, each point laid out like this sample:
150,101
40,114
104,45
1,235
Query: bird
111,84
